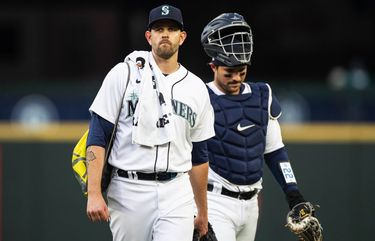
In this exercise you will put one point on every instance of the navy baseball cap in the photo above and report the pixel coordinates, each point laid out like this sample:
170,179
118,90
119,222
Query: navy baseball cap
165,12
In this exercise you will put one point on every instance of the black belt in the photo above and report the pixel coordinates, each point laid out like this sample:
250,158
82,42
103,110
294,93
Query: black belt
238,195
154,176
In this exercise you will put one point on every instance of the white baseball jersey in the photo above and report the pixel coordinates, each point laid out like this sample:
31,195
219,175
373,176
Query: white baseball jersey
193,120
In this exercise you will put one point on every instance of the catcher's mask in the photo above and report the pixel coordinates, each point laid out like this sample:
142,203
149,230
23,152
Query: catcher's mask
228,39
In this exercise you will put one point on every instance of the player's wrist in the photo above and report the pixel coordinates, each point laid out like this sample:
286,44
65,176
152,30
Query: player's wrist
294,197
94,192
202,212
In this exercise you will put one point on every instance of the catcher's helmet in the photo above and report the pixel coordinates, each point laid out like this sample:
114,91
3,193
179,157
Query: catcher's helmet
228,39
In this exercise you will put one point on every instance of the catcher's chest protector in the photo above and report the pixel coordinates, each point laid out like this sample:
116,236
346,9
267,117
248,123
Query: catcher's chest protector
236,152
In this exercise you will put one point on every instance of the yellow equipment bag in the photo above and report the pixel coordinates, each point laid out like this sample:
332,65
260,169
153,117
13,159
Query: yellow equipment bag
79,154
79,162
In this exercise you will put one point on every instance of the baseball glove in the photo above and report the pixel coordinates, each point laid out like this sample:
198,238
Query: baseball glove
210,235
302,222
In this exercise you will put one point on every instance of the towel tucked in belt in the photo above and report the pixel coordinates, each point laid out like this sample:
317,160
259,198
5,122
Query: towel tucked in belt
153,120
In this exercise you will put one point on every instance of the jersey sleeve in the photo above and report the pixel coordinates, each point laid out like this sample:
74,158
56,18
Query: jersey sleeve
273,137
108,100
204,128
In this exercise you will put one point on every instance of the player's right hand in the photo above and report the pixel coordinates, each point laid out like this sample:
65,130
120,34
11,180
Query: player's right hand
97,209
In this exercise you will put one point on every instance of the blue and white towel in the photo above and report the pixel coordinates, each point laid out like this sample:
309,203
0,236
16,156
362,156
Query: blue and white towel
153,119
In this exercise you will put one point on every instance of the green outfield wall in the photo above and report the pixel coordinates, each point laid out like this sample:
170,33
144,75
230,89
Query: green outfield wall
41,200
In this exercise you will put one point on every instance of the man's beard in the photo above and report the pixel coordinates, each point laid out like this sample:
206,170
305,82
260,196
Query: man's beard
166,53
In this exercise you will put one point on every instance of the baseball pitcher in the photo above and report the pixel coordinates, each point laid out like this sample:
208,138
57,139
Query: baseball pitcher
166,114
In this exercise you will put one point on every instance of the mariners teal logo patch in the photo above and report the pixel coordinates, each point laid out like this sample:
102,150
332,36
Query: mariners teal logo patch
132,101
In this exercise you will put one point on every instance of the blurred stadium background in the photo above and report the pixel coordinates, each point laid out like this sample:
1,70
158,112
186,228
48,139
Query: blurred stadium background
318,56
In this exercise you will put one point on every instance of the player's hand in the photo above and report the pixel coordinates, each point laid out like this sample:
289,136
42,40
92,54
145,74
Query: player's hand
201,224
97,209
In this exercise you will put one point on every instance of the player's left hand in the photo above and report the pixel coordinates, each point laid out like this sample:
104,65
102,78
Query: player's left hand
201,225
97,209
209,236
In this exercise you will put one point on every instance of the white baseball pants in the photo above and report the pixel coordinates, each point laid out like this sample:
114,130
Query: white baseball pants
233,219
151,210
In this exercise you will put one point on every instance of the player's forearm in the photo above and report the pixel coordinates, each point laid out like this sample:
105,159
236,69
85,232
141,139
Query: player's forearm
198,179
95,162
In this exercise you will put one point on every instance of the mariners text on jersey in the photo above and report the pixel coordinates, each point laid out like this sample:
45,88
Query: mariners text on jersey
179,108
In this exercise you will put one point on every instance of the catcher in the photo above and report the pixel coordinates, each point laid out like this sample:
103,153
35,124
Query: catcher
248,135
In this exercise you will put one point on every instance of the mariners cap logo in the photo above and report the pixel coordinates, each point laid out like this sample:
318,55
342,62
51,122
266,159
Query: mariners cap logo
166,12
